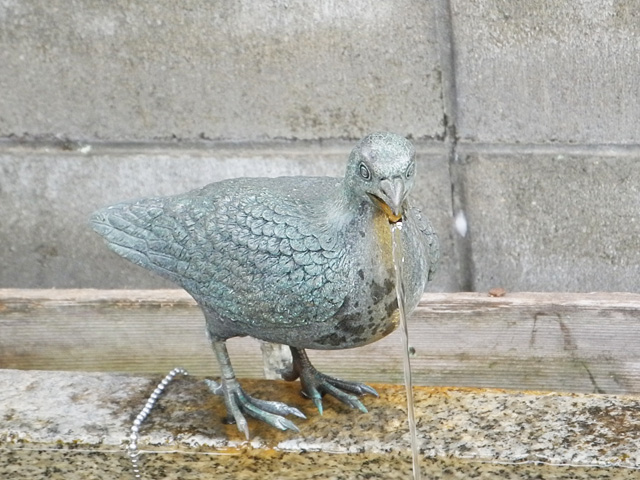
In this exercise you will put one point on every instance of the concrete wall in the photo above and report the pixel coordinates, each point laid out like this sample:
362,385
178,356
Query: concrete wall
526,117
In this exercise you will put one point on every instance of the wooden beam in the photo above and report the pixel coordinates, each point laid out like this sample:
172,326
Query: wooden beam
540,341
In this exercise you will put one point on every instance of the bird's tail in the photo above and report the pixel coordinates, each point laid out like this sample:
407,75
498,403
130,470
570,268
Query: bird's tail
133,232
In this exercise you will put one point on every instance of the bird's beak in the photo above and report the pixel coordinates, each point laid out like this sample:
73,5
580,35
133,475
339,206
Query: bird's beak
394,193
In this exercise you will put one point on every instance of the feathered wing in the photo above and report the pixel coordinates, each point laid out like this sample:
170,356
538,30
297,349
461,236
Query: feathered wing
250,255
431,242
142,233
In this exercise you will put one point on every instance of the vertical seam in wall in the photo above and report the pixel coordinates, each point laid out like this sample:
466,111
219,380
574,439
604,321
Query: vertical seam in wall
446,49
444,37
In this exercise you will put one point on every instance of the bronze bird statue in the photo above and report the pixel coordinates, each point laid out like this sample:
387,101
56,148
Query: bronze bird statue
301,261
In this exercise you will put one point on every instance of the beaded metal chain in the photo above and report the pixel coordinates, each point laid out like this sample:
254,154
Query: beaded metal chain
132,448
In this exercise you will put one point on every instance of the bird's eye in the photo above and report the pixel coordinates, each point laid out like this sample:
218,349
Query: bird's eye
410,170
365,172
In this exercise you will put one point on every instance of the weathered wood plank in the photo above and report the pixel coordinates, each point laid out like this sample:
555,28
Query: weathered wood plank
147,331
576,342
539,341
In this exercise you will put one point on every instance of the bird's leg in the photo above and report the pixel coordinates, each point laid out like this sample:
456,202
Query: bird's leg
315,384
239,403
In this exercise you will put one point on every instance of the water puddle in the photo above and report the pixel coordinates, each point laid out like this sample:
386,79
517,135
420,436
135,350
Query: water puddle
398,261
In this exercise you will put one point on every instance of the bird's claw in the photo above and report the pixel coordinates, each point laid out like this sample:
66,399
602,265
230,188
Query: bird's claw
318,403
238,403
316,384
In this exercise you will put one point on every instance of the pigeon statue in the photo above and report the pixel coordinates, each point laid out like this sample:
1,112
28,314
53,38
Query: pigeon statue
301,261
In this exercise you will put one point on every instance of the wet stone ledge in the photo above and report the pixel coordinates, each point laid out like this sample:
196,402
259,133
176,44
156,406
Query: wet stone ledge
69,425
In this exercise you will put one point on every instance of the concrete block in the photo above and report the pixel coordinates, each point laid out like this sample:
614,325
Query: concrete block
47,195
217,69
541,71
544,221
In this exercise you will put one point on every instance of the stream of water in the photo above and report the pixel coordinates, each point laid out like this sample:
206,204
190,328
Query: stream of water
398,261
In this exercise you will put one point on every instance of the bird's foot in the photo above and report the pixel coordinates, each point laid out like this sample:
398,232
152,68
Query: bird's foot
238,403
316,384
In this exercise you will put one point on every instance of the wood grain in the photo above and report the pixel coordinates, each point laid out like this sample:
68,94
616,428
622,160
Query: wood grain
537,341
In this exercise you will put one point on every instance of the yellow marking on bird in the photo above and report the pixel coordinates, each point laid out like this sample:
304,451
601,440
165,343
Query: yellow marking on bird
383,233
393,218
395,319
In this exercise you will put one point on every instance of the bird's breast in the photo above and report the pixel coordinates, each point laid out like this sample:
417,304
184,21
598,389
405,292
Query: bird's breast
370,308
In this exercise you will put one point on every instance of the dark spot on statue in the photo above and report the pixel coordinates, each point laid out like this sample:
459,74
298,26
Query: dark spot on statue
378,292
391,307
388,330
362,233
344,308
349,325
332,339
361,274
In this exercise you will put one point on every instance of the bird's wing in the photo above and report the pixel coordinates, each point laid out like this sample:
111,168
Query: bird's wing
250,255
431,241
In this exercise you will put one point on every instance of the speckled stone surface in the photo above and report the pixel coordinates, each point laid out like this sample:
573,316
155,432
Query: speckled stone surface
71,425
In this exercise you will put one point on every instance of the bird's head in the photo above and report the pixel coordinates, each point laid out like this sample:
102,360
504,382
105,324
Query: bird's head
381,168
